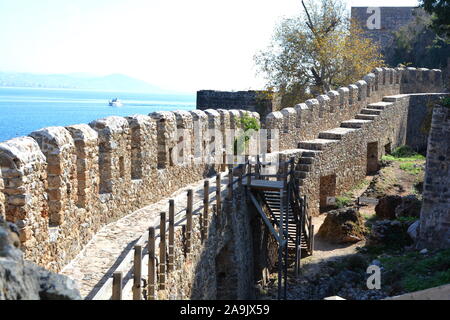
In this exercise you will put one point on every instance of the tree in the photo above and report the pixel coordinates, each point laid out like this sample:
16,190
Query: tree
319,50
440,9
418,44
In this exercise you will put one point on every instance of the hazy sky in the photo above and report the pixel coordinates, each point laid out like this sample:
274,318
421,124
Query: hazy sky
175,44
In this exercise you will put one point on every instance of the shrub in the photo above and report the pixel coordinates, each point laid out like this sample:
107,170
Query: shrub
342,202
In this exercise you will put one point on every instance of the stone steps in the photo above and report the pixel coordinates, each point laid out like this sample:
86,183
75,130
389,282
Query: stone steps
301,174
379,105
366,116
306,160
311,148
354,123
304,167
371,111
315,144
335,134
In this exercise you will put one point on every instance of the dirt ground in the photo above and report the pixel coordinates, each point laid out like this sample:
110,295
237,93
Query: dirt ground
389,180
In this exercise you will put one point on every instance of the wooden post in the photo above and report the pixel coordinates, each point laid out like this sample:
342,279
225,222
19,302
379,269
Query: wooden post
162,252
137,274
117,286
292,168
230,184
241,170
171,234
249,174
151,264
218,193
190,195
285,175
204,226
224,161
258,168
311,236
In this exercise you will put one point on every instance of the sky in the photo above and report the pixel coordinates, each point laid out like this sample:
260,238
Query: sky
178,45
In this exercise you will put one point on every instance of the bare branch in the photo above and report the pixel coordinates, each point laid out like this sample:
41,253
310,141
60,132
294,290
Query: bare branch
309,23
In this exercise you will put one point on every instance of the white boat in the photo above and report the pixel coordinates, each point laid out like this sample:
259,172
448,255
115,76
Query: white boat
115,103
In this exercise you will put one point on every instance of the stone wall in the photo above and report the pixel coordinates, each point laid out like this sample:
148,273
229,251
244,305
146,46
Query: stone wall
306,120
60,185
434,228
379,23
262,102
419,120
221,265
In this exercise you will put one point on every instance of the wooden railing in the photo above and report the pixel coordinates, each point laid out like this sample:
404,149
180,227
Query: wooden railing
129,281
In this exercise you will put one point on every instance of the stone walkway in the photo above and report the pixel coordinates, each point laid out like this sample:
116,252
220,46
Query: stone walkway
95,264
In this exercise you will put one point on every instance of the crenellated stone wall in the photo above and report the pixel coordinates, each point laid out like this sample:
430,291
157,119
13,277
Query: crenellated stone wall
60,185
305,120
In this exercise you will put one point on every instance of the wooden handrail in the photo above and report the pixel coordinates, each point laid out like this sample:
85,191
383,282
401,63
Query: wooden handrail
282,242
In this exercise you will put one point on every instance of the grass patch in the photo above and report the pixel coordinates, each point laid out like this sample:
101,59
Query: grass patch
342,202
414,271
411,167
403,154
407,219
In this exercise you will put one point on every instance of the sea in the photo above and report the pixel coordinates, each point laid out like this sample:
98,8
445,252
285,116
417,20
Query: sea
24,110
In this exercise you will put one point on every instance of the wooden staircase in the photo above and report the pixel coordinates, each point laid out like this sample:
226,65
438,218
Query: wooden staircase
284,212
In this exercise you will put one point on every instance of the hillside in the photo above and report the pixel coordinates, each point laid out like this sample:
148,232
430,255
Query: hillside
116,82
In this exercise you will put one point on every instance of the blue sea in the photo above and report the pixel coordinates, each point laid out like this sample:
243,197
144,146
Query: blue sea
24,110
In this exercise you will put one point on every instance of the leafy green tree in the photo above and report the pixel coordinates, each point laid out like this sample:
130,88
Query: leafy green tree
418,44
316,51
440,9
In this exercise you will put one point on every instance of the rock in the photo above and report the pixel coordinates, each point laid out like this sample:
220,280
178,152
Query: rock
23,280
423,251
409,207
343,226
385,209
413,230
389,233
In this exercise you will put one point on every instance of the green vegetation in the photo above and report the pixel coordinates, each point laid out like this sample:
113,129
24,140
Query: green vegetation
411,167
342,202
419,44
445,102
362,184
407,219
316,51
403,154
414,271
410,160
440,9
249,125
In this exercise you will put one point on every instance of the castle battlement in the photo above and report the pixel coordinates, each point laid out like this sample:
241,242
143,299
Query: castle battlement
60,185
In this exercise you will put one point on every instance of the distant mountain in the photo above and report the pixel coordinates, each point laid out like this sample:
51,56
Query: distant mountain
113,82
